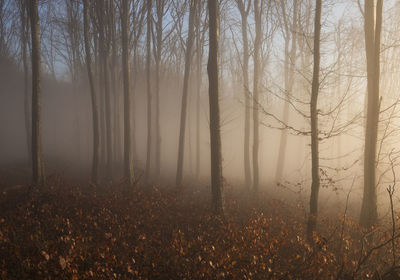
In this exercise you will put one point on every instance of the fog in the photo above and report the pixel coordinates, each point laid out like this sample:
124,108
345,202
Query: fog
67,137
283,117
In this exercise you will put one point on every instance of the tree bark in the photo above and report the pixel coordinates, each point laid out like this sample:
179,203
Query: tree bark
315,184
149,95
290,64
372,29
37,163
256,81
188,58
107,97
95,113
100,79
24,46
116,131
72,39
105,65
160,5
215,133
199,58
244,12
128,165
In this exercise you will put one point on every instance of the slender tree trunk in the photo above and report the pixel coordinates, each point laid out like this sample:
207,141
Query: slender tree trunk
105,84
312,219
160,4
256,81
188,58
24,46
100,79
215,133
133,103
157,167
37,163
198,89
116,118
128,165
107,97
148,60
95,113
114,88
72,28
290,64
246,154
244,12
338,93
372,28
103,142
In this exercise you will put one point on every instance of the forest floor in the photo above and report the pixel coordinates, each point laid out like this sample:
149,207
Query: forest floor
75,232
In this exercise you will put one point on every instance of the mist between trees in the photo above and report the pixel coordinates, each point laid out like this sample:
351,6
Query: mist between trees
296,98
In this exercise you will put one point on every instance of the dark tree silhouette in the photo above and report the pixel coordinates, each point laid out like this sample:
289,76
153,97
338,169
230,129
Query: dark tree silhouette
149,95
258,7
244,13
37,161
213,91
372,29
128,165
95,113
315,183
188,59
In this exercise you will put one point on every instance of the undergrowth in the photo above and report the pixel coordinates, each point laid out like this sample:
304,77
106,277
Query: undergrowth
70,232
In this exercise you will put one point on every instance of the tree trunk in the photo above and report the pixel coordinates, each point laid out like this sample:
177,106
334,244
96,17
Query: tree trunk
198,89
148,60
188,58
103,142
256,78
107,97
244,12
128,165
100,79
290,66
133,103
114,88
160,4
24,47
95,156
74,54
312,219
105,84
213,91
37,163
372,28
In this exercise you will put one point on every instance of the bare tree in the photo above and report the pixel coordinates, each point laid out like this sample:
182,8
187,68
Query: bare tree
95,113
258,8
107,93
244,10
116,129
161,9
290,29
372,29
37,161
138,16
72,26
188,58
128,166
199,58
105,100
315,183
149,95
215,133
24,33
